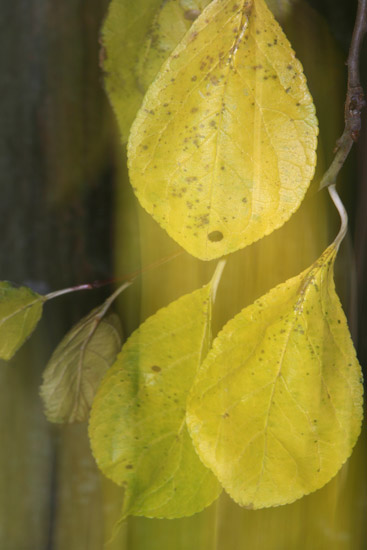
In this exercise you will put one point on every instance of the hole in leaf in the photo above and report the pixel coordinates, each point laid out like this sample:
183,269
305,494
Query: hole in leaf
215,236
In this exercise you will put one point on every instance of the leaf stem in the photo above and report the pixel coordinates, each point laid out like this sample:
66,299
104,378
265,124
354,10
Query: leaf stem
107,304
58,293
355,100
98,284
217,277
342,213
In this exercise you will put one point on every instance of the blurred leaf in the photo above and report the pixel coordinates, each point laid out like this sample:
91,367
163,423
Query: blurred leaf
78,365
20,311
124,32
137,428
143,33
173,20
277,405
226,135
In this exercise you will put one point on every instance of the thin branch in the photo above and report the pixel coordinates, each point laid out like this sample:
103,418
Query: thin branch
127,278
355,100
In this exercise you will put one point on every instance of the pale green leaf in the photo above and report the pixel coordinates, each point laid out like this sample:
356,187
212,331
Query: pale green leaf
77,366
138,36
20,311
223,148
137,428
277,405
124,32
173,20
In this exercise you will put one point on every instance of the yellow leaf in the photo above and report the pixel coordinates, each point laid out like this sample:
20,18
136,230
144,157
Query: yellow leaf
223,148
138,430
277,405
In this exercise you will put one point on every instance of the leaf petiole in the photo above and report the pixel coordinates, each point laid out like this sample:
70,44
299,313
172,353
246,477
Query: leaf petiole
342,213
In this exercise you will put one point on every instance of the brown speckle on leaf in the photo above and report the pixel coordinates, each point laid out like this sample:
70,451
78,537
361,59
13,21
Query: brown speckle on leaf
191,15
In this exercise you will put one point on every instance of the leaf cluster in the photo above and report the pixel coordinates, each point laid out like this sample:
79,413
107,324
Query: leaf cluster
221,152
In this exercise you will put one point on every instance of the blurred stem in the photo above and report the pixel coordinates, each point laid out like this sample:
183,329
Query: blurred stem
355,100
127,278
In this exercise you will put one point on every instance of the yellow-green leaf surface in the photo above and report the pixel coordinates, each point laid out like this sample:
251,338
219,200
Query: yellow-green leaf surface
141,33
277,405
77,366
138,430
223,148
123,35
172,21
20,311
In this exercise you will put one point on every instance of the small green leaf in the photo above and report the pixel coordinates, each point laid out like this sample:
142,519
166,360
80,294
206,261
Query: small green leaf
222,150
78,365
20,311
277,405
137,428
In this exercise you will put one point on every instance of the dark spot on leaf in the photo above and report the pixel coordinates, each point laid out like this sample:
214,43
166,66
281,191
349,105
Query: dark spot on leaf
156,369
215,236
191,15
129,467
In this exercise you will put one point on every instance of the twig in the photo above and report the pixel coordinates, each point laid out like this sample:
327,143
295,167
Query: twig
355,100
127,278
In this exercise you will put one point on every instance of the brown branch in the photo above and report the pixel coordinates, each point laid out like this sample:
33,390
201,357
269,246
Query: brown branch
355,100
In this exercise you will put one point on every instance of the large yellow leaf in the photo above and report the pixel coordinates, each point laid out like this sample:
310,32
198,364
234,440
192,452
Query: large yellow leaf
138,430
277,405
223,148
